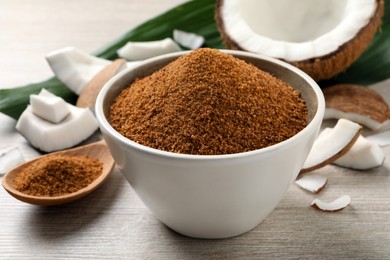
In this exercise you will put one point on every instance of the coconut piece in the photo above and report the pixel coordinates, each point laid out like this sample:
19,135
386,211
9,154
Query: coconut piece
47,136
145,50
51,108
189,40
312,183
329,147
356,103
74,67
322,38
381,139
131,64
363,155
9,158
336,205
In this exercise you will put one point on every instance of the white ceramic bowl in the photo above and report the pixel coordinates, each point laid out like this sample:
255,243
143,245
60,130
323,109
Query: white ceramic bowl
212,196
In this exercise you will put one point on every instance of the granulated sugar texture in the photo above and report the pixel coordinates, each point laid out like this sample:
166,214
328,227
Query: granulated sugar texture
207,103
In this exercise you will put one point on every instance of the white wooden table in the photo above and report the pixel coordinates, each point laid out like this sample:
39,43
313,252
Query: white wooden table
112,223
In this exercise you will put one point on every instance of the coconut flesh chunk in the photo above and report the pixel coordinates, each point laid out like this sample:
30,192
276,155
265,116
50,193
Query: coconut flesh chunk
135,51
49,107
74,67
189,40
336,205
48,136
381,139
320,37
331,146
312,183
9,158
363,155
357,103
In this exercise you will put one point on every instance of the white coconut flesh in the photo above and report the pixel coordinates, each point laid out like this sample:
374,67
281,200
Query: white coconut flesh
74,67
136,51
9,158
363,155
335,205
189,40
295,30
330,146
48,136
49,107
312,183
381,138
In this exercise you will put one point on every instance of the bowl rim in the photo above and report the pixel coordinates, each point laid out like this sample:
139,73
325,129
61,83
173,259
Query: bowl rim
104,124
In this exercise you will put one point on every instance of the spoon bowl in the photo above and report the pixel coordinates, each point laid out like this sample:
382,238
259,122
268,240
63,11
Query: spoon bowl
97,150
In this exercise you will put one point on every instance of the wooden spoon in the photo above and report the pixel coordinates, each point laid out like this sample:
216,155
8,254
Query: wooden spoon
97,150
90,92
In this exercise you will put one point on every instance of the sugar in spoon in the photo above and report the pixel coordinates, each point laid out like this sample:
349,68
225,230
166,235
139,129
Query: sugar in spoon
97,150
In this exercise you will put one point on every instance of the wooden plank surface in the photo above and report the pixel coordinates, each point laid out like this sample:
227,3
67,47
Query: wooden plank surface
112,223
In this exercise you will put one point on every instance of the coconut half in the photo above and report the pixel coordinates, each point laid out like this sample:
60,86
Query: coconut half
320,37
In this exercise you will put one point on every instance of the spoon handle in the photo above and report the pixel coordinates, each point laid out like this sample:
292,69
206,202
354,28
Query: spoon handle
90,92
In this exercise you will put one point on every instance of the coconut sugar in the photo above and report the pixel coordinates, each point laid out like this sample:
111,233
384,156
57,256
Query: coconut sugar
57,175
208,103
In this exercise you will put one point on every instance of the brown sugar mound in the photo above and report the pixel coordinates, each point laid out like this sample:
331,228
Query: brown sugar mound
57,175
207,103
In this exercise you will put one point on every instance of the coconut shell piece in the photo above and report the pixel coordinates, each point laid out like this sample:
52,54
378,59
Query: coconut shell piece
356,103
329,147
336,205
